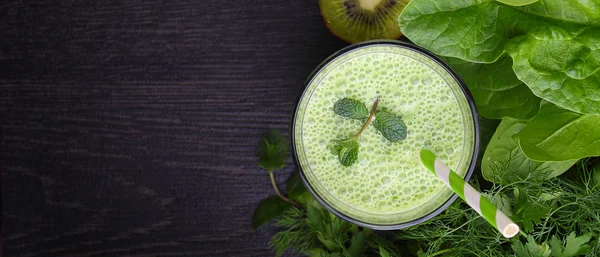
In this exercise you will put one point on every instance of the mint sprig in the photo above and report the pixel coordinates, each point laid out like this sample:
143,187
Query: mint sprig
390,125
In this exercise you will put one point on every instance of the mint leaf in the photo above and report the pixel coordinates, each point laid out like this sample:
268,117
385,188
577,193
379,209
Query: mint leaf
346,151
391,126
272,150
530,249
268,209
575,245
350,108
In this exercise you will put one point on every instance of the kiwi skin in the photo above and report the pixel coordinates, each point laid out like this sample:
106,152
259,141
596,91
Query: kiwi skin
379,23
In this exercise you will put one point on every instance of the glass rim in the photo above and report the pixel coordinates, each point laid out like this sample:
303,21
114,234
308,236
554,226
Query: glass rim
464,90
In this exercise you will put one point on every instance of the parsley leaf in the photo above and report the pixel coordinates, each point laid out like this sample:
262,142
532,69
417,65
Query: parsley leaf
346,150
530,249
575,245
528,212
350,108
391,126
357,245
272,151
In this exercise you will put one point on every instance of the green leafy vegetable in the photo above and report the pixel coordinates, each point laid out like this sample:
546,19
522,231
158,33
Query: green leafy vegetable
503,151
268,209
487,128
517,2
553,43
272,151
531,249
574,245
346,150
351,108
391,126
556,134
496,89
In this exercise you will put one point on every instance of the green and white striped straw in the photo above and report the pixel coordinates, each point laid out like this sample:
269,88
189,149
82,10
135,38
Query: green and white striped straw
473,198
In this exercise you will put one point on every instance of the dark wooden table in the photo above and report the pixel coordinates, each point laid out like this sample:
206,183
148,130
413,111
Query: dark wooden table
130,127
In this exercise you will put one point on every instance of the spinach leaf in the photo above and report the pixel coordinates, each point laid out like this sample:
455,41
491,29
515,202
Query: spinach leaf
555,51
503,153
496,90
517,2
556,134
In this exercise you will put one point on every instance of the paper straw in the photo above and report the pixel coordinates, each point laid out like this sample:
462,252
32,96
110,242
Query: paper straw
473,198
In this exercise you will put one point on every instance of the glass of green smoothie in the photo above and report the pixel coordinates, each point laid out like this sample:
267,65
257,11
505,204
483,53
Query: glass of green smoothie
387,187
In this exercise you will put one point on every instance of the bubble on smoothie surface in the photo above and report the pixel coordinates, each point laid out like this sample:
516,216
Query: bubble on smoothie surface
387,177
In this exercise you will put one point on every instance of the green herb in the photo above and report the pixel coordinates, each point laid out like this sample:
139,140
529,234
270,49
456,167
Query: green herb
555,208
346,150
530,249
351,108
296,190
295,233
268,209
528,211
502,148
573,245
551,211
391,126
316,232
272,152
556,134
552,42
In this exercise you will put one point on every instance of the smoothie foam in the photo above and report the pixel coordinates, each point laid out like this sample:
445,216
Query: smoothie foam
388,184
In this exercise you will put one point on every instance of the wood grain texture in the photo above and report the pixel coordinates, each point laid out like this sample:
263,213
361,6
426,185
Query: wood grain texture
130,127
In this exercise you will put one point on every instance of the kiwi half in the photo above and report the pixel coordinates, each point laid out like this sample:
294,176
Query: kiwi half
361,20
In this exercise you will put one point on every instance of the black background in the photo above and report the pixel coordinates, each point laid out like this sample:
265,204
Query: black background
130,127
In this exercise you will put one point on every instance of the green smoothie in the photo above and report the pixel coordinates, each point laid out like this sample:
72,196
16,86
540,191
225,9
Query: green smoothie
387,185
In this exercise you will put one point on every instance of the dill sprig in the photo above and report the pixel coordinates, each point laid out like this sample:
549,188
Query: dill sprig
295,235
569,204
